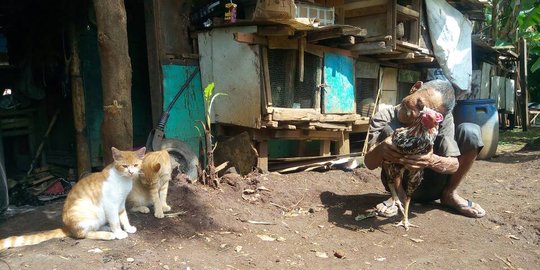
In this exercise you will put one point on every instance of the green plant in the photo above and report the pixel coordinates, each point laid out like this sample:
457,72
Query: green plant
210,173
515,140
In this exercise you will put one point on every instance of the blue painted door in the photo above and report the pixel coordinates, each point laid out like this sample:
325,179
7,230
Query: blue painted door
188,111
338,96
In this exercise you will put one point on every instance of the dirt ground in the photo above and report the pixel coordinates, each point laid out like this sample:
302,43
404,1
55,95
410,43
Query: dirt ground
307,221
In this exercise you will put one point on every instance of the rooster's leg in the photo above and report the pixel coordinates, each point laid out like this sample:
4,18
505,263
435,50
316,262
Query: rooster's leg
405,221
395,197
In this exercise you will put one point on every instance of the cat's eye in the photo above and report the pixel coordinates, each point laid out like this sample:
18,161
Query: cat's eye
125,166
135,165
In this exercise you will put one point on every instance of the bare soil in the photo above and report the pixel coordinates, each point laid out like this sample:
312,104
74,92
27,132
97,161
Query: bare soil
307,221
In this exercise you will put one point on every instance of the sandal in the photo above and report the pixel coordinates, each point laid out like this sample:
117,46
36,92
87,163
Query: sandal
386,209
471,209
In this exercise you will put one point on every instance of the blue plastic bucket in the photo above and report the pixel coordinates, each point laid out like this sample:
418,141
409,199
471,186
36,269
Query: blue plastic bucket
482,112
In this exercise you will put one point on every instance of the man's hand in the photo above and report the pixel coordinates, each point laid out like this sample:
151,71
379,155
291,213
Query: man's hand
418,161
389,151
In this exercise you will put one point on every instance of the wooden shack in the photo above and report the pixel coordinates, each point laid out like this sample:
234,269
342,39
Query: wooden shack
282,83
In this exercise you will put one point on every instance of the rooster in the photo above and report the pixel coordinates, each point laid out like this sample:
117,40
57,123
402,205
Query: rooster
415,139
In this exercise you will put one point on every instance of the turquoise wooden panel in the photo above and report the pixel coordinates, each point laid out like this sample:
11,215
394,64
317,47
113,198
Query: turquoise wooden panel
339,80
188,110
93,93
91,73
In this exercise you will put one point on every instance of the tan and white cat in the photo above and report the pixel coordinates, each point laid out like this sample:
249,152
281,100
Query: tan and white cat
95,201
152,185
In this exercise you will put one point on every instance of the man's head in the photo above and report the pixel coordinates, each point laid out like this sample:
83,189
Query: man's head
437,95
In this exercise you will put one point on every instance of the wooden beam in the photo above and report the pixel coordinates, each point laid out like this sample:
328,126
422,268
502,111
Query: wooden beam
385,38
338,117
407,12
373,51
287,126
334,32
417,60
332,126
282,42
409,55
275,30
364,3
249,38
365,11
368,46
412,46
287,114
298,134
314,48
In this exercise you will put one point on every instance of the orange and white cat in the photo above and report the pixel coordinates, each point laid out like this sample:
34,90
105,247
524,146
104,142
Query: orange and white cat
152,185
95,201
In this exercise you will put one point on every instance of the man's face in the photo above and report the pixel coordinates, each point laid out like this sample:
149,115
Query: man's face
415,102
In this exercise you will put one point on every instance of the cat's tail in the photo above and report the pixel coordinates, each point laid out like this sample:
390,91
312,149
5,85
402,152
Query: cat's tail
32,239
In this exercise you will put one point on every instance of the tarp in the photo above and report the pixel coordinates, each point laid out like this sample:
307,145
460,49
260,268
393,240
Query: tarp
450,35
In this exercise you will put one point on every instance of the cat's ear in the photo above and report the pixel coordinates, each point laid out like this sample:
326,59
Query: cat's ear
116,153
156,167
141,152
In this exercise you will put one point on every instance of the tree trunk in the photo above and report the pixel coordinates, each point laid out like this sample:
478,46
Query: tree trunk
84,164
117,125
511,10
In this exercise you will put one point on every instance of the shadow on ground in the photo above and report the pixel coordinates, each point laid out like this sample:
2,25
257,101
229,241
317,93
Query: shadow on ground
342,210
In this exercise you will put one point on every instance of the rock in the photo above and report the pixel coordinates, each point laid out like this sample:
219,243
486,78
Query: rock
339,254
239,151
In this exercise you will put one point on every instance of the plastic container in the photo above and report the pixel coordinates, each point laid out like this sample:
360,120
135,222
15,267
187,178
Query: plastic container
482,112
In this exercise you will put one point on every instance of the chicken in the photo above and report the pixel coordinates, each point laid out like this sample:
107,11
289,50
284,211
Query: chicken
415,139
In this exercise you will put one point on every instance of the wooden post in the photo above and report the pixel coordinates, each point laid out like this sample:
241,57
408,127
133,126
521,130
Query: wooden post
290,78
343,144
117,125
301,48
152,25
266,94
262,161
84,163
325,148
523,81
317,94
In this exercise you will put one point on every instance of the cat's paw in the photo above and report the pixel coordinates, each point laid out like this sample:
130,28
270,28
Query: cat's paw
120,234
159,215
166,208
141,209
131,229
